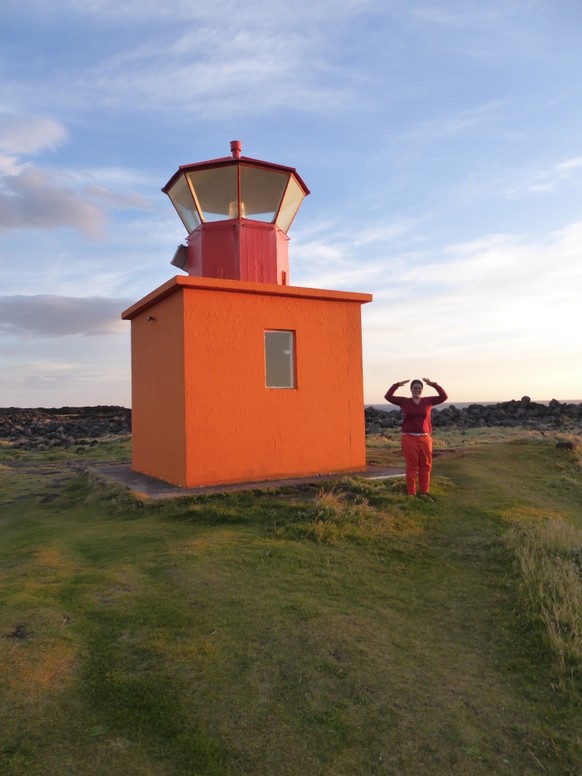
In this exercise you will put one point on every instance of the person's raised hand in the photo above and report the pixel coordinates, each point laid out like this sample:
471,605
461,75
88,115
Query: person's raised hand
429,382
403,382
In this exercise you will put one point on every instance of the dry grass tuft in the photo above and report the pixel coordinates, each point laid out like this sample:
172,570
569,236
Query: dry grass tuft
345,513
334,517
549,559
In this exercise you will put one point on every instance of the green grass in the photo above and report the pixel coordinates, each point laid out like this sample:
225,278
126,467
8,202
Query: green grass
116,448
344,630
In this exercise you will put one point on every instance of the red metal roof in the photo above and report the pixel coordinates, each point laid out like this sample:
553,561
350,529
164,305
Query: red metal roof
229,160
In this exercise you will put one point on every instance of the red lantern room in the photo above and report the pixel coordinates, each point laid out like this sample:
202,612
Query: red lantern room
237,212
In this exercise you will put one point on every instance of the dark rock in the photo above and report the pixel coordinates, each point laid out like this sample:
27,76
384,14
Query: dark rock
18,633
524,413
41,428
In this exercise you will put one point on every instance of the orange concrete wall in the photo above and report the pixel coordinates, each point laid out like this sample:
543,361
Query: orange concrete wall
158,407
237,429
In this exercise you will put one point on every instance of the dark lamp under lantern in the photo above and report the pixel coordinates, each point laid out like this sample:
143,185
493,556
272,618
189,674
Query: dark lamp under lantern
237,212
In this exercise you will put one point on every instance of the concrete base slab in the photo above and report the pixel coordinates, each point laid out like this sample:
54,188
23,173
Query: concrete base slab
142,484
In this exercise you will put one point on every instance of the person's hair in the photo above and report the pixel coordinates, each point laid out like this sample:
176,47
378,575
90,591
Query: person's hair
416,382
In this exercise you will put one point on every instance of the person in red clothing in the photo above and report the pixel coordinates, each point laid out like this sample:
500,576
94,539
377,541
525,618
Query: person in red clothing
416,431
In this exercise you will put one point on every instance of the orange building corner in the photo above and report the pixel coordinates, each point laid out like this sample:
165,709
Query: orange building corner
203,410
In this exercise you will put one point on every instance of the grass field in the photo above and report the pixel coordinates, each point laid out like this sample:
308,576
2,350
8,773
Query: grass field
345,630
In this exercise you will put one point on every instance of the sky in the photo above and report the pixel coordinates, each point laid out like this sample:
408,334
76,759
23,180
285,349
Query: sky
441,141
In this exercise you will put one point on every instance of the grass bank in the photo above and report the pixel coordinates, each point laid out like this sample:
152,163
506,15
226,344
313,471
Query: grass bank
344,630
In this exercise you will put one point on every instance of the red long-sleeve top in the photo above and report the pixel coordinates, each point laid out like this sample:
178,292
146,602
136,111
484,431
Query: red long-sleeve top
416,418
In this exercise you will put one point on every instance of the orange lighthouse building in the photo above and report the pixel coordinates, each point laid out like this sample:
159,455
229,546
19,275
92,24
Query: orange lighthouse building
238,376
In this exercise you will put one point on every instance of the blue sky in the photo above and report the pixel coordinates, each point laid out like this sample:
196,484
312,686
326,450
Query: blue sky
441,141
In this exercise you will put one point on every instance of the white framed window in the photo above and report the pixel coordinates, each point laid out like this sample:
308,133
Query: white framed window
280,359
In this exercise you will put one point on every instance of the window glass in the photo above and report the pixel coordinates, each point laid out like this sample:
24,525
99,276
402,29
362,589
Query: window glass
290,205
216,190
184,204
280,359
261,192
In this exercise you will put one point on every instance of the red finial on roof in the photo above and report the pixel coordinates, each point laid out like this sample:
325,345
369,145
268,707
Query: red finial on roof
236,148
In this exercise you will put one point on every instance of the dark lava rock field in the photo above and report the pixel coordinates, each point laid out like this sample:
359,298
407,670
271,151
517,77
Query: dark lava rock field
44,429
524,413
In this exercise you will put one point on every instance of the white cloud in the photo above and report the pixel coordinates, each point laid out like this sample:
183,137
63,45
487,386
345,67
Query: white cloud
331,263
499,296
217,69
30,134
382,233
547,180
67,375
461,13
204,58
47,316
33,199
9,165
481,117
218,11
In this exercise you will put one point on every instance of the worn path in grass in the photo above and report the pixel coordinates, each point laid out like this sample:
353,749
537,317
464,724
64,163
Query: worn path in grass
277,634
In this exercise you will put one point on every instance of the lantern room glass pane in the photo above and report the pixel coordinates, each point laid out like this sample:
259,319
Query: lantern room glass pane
181,197
261,192
216,191
291,202
280,359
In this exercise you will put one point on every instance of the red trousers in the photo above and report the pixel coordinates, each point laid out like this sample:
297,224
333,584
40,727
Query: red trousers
417,451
